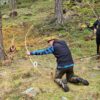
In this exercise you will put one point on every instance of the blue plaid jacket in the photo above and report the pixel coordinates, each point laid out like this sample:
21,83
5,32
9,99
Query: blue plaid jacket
61,51
48,50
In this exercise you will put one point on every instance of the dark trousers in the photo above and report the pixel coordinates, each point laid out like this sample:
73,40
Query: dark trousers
70,77
98,45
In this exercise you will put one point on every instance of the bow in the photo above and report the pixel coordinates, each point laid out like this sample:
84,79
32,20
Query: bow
34,63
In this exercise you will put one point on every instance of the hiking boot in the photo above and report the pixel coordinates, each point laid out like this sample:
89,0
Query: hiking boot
84,82
62,84
64,81
65,87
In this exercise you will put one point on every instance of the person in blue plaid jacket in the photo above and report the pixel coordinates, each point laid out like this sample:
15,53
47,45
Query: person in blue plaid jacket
64,61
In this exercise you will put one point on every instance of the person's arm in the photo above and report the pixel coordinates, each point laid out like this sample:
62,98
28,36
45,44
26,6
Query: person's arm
93,34
94,31
95,28
48,50
95,24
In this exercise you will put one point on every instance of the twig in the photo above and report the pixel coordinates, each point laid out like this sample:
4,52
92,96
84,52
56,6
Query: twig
87,57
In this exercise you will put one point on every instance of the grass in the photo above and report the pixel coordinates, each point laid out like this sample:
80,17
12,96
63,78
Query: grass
20,75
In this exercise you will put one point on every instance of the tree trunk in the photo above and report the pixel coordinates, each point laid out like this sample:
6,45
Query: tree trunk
59,12
13,7
12,4
2,53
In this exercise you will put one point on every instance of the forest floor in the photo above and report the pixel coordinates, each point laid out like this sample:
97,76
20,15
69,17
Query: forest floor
21,75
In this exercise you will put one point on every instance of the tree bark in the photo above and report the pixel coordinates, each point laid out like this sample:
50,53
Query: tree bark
13,7
59,12
2,53
12,4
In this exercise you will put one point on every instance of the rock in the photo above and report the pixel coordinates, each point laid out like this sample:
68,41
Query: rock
32,92
64,98
5,17
97,68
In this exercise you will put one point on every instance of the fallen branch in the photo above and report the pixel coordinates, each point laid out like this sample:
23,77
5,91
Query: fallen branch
87,57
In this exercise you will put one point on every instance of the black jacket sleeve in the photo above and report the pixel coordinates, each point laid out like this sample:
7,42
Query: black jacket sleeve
95,24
